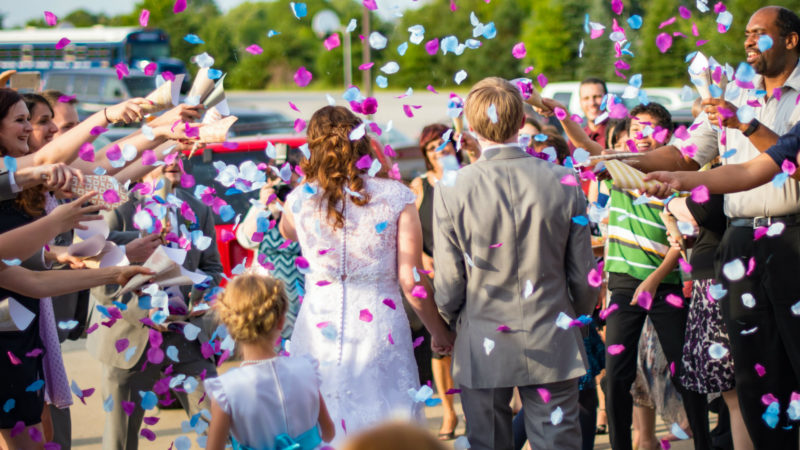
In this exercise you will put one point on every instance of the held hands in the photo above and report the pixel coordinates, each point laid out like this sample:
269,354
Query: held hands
667,182
550,107
443,341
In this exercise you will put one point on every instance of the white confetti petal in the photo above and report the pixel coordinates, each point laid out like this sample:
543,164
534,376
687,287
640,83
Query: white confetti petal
528,289
557,416
748,300
734,270
776,229
563,321
488,345
717,351
678,432
796,309
461,75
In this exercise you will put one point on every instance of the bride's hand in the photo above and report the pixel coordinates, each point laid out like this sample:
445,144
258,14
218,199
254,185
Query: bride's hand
443,342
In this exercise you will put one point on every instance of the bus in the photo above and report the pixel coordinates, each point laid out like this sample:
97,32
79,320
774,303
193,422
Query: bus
89,48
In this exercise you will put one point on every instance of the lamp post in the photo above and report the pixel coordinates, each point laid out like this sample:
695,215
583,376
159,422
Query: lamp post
327,21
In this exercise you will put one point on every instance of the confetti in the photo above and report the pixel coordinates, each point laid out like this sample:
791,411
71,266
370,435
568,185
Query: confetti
50,19
734,270
63,42
302,77
332,42
488,345
179,6
144,17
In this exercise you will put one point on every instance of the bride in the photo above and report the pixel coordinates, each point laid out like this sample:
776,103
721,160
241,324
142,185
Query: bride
361,237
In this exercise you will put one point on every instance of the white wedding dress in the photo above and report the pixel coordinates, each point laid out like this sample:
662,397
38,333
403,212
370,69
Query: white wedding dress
352,318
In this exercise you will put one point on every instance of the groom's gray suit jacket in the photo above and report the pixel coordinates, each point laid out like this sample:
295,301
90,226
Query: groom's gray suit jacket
511,198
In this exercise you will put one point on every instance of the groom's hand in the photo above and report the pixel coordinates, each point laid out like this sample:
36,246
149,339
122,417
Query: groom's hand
443,344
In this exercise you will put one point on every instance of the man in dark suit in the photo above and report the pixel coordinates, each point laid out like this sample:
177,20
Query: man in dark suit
127,370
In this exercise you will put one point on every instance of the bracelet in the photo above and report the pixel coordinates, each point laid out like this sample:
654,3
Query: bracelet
751,128
106,115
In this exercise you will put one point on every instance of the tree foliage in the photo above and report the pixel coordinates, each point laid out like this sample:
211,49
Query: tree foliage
552,31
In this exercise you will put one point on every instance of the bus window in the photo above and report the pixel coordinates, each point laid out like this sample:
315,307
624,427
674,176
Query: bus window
58,81
94,85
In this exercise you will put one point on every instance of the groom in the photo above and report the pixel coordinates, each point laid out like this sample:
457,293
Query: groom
509,260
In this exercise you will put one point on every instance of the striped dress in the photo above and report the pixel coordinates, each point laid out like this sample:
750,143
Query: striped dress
637,238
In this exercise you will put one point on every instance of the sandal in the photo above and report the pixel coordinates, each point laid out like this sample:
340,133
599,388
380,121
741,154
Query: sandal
601,429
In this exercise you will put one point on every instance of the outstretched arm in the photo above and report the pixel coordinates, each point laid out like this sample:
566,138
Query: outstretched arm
575,133
49,283
722,180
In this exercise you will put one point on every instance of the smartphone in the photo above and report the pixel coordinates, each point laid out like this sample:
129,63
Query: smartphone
26,82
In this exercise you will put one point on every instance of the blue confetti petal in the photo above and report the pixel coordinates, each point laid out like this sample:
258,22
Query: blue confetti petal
764,43
490,31
227,213
149,400
144,302
729,153
635,22
121,306
12,262
299,10
129,353
780,179
581,220
9,405
381,81
272,33
636,80
172,353
401,49
108,404
431,402
193,39
214,74
770,416
381,227
745,72
35,386
67,324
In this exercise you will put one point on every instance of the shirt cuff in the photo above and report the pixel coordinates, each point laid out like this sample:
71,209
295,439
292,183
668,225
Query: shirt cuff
14,187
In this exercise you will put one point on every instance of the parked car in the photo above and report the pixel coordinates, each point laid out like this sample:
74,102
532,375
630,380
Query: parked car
96,88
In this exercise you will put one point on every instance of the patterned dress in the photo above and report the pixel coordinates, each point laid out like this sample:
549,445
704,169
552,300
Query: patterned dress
282,256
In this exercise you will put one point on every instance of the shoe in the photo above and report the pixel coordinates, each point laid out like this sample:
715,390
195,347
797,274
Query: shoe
601,429
447,436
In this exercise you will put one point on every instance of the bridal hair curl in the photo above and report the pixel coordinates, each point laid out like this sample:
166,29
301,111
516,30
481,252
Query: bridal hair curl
251,306
332,164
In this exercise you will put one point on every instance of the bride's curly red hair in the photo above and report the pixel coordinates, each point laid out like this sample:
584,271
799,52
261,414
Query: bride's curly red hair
332,164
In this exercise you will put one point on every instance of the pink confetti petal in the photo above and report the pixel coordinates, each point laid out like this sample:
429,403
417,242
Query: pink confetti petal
364,315
761,371
645,300
663,42
503,329
332,42
615,349
768,399
226,236
700,194
86,152
542,80
13,358
432,89
111,196
569,180
390,303
144,17
34,353
560,113
751,266
498,245
544,394
50,19
519,51
63,42
180,6
432,46
759,232
254,49
595,278
607,312
667,22
302,77
684,12
389,338
675,300
685,266
419,292
150,69
122,70
299,125
369,4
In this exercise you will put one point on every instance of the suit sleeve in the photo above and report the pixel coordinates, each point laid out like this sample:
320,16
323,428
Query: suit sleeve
6,191
209,258
450,281
786,147
580,260
116,224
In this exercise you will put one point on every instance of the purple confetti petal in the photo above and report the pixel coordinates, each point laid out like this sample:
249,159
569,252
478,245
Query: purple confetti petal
616,349
365,316
144,17
432,46
332,42
663,42
86,152
148,434
390,303
63,42
50,19
180,6
254,49
128,407
519,51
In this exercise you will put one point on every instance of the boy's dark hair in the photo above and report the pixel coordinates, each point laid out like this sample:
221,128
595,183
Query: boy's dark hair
788,22
662,117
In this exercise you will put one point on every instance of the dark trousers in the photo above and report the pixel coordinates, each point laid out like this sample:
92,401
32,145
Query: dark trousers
768,333
623,327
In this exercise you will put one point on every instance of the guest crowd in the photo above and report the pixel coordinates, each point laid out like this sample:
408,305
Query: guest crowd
516,274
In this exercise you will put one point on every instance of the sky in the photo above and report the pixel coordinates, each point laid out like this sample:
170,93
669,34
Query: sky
16,16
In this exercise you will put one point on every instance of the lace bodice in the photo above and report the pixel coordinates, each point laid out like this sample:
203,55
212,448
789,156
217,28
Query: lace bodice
365,249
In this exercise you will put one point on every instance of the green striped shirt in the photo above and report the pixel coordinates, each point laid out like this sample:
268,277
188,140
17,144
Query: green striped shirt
637,238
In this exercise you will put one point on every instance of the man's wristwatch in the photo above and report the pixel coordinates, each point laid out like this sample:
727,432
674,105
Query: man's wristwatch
751,128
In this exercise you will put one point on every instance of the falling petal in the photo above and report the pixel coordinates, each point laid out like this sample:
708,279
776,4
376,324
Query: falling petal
302,77
557,416
700,194
51,20
365,316
663,42
144,17
519,51
717,351
179,6
734,270
63,42
615,349
332,42
299,10
488,345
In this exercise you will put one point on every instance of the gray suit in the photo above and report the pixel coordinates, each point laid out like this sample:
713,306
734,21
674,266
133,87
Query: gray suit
508,197
123,374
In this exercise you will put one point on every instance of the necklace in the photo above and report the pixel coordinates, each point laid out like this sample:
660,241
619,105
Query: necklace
254,361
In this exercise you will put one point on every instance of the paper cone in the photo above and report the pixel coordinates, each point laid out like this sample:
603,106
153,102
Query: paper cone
216,131
217,94
165,96
100,184
212,115
672,228
626,177
202,86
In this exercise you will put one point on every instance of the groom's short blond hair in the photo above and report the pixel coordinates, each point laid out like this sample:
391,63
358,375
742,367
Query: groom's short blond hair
507,103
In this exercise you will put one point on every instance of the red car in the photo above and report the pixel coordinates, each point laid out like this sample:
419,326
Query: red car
253,148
